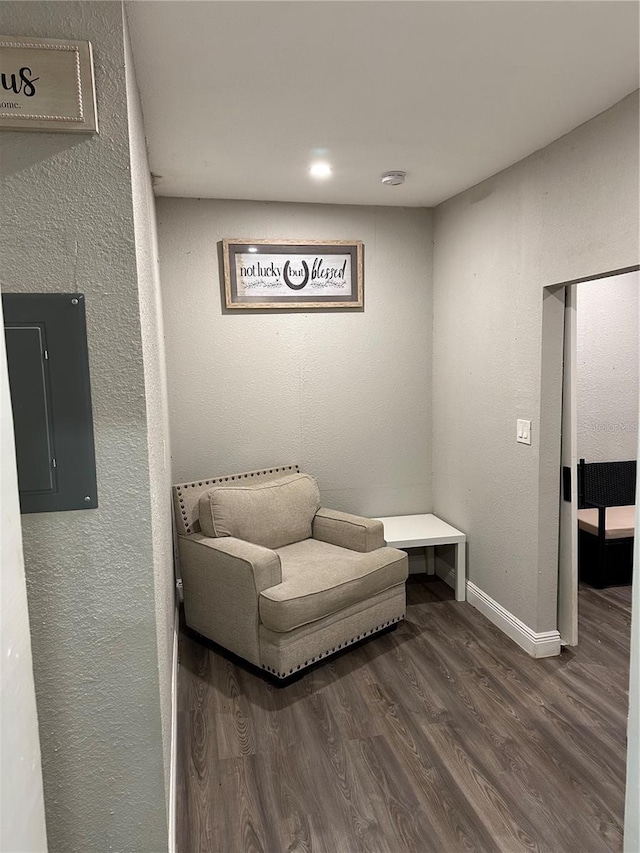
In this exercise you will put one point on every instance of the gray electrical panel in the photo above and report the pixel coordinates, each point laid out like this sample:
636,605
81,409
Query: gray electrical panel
48,364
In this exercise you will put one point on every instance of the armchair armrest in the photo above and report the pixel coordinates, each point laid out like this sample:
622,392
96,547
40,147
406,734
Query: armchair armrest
348,531
235,554
222,581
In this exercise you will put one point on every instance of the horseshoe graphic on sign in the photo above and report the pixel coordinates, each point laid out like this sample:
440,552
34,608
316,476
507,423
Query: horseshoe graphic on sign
287,280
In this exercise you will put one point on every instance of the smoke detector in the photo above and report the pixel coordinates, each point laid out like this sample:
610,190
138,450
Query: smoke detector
393,179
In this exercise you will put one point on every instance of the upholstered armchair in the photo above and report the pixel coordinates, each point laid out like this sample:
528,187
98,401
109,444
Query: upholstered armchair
271,576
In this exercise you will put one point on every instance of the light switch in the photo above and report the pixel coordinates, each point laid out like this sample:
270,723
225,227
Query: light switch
523,434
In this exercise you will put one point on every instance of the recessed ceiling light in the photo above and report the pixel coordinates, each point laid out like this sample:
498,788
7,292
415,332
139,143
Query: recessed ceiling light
320,170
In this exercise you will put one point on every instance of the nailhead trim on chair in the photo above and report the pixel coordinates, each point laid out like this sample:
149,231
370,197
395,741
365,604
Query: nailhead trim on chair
184,486
335,648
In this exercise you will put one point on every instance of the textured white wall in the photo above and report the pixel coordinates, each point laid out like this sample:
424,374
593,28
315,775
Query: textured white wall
346,395
146,247
607,367
569,211
66,223
22,826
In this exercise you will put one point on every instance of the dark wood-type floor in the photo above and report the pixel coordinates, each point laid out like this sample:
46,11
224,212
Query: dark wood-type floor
440,737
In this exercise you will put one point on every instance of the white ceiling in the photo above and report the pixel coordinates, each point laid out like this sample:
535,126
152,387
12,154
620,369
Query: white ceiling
239,96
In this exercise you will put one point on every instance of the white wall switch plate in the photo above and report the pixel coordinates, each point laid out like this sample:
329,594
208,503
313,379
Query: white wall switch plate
523,434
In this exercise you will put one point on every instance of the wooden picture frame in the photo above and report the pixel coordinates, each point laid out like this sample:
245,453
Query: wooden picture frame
293,274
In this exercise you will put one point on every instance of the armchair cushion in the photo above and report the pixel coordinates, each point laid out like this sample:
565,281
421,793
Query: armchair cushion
348,531
272,513
319,579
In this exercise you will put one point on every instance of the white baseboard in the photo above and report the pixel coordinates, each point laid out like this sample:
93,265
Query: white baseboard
173,771
539,645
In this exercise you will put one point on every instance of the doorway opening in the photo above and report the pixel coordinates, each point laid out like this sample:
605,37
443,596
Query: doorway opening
599,421
600,426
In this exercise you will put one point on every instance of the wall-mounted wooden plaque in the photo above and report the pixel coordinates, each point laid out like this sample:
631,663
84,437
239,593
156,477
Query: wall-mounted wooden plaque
47,84
293,274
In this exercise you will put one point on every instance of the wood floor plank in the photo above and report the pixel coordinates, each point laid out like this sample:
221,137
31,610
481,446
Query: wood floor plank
343,692
454,822
344,781
235,735
442,737
506,820
406,825
243,816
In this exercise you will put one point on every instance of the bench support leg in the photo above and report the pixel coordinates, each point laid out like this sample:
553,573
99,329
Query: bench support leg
461,572
430,559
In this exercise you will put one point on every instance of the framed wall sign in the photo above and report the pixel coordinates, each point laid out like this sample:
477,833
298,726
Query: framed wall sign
47,84
292,274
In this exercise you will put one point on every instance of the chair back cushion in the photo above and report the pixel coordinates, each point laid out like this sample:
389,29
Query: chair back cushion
272,514
186,496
